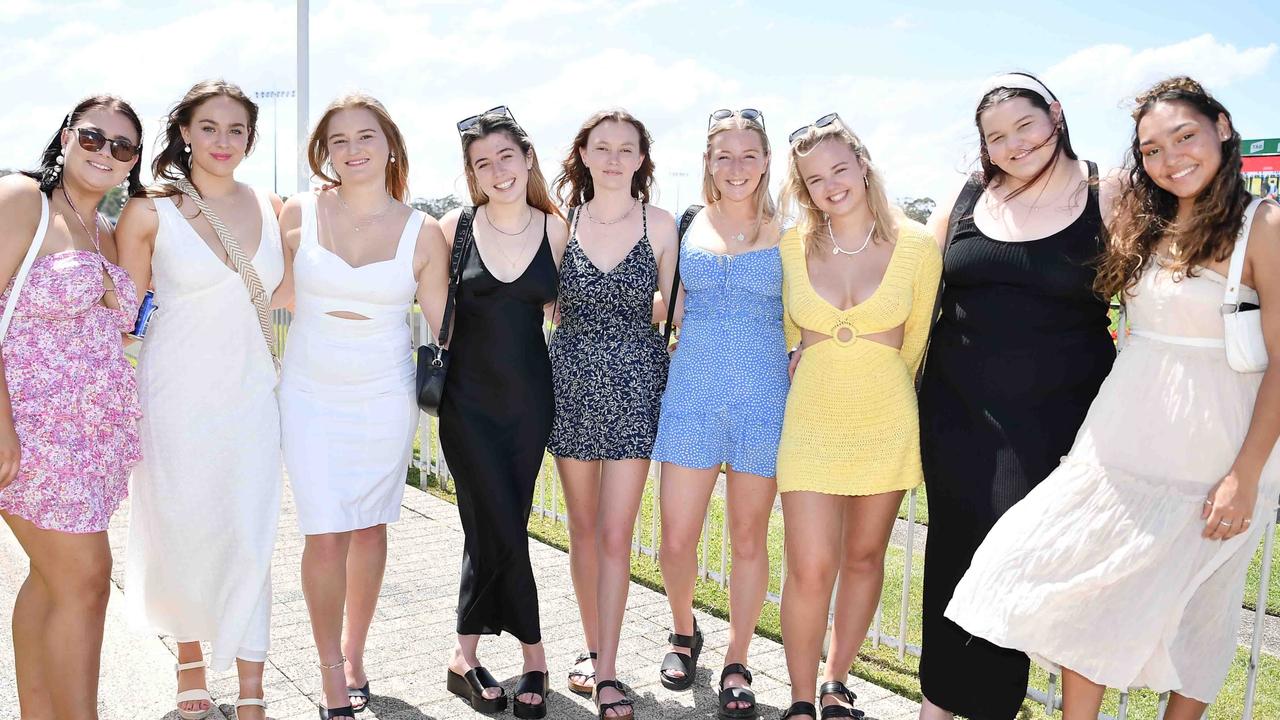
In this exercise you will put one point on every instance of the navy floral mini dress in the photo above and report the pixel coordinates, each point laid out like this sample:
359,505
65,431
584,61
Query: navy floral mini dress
608,363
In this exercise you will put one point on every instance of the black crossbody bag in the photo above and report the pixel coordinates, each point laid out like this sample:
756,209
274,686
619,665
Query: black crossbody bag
433,360
681,230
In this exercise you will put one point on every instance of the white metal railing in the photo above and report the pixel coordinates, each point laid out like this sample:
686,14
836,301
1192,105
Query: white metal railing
546,503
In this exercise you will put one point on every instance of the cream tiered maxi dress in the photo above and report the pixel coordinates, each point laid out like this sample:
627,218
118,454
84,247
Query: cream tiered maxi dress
1102,568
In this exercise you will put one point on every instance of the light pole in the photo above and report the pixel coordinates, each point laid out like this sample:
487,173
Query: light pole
275,96
678,175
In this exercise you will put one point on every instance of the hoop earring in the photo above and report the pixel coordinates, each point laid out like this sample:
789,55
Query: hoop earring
866,183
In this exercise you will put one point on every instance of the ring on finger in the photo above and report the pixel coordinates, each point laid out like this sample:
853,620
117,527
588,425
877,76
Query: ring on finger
1226,523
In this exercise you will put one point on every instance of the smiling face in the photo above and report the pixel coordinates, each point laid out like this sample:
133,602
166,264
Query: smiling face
498,168
98,170
218,135
834,177
1018,136
1181,149
612,155
736,162
357,146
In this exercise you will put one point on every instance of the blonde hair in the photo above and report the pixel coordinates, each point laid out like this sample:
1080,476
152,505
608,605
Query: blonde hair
397,174
766,210
811,222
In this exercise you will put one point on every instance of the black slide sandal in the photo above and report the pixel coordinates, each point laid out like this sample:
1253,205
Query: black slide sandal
537,683
471,687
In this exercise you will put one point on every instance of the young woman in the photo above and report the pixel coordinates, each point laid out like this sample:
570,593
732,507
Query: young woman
725,397
1017,356
68,402
1126,566
495,414
860,284
202,523
609,368
359,256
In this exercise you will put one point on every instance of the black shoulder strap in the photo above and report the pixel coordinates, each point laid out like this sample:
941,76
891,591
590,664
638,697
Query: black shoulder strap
964,204
682,229
461,243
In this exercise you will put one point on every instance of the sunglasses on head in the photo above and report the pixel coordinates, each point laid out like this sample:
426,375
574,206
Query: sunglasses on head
468,123
93,140
821,122
749,114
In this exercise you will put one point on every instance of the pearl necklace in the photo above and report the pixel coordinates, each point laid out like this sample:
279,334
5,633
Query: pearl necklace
837,250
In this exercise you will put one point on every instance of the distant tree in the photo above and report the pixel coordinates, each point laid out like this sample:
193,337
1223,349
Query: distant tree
6,171
918,209
436,207
112,203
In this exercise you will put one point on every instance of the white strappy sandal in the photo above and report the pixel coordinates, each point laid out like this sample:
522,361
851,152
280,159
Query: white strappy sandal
251,702
193,695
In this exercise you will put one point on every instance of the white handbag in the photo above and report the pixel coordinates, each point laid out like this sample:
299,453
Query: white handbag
1242,329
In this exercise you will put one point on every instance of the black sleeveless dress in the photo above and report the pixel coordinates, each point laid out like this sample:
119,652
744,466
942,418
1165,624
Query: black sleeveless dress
1017,357
495,417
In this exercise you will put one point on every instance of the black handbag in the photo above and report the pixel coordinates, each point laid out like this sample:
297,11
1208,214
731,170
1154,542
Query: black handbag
433,360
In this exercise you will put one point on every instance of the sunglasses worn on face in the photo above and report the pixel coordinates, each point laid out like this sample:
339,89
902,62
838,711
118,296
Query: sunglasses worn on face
468,123
749,114
93,140
821,122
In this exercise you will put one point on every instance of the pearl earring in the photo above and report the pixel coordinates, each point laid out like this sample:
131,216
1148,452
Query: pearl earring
187,149
393,157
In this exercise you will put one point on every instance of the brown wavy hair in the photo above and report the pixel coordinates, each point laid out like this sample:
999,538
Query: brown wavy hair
1145,213
765,208
48,173
537,194
811,222
573,185
173,162
1061,135
397,175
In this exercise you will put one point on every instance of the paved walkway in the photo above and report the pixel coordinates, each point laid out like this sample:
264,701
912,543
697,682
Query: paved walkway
412,637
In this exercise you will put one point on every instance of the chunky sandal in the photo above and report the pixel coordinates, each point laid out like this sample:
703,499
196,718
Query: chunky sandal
250,702
329,713
579,688
800,707
471,687
834,687
679,662
606,707
534,682
192,695
361,694
737,694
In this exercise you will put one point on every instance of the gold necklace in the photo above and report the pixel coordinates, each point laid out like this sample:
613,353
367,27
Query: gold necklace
368,221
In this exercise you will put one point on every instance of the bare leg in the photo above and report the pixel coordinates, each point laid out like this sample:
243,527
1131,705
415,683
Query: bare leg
750,504
929,711
324,585
76,570
535,659
464,659
1183,708
366,564
868,521
581,482
30,621
621,489
684,497
1082,698
193,678
250,687
813,534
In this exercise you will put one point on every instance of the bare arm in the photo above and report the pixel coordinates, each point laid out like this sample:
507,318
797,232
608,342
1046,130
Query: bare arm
662,236
431,267
19,218
558,237
136,240
290,237
940,219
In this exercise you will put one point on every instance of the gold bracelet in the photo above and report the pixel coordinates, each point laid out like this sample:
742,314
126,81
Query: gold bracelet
338,664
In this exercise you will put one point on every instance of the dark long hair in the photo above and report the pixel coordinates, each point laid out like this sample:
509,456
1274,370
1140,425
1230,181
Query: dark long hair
991,173
49,174
574,186
536,193
173,162
1145,212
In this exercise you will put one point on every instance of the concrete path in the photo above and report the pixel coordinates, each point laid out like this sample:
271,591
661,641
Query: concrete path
412,637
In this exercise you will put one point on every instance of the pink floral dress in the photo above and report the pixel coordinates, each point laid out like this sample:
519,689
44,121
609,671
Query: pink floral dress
75,402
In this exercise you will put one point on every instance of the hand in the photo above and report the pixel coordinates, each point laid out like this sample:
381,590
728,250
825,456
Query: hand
10,454
1228,511
793,362
671,349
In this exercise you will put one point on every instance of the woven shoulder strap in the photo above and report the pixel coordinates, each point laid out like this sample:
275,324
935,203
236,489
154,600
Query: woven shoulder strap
242,265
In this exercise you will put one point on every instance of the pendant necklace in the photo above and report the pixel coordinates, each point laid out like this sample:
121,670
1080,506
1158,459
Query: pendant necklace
837,250
358,224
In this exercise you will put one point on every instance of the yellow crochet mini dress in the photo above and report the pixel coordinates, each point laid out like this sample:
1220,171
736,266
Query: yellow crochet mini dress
851,425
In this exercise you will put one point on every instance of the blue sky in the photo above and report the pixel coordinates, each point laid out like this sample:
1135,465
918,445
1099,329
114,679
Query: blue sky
904,76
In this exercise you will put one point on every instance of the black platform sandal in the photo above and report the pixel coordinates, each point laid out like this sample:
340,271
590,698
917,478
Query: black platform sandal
834,687
624,702
679,662
537,683
327,713
579,688
361,694
471,687
737,695
800,707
